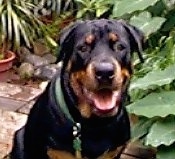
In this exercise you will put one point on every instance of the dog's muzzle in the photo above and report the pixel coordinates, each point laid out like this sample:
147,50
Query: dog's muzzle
106,95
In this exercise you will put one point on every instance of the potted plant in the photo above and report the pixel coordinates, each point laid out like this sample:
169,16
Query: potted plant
6,60
18,25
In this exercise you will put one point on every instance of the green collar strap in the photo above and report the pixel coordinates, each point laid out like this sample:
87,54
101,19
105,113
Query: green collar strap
77,126
60,100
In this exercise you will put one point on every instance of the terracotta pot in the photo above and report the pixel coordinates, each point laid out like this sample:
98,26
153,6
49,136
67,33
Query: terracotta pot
7,63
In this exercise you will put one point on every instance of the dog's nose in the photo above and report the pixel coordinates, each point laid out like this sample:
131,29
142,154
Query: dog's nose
104,71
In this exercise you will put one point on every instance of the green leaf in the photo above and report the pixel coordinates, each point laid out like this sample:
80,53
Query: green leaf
81,13
141,128
24,11
1,1
166,152
170,22
16,28
9,19
4,26
148,24
127,6
101,10
51,41
22,27
155,78
169,4
1,8
155,104
84,2
162,132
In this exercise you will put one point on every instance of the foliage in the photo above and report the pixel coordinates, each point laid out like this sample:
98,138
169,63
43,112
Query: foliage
52,29
126,7
146,22
17,24
45,7
152,88
21,26
89,9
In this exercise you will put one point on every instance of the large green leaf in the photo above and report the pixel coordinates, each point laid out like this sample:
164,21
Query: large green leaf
148,24
141,128
166,152
155,104
169,4
162,132
155,78
170,22
129,6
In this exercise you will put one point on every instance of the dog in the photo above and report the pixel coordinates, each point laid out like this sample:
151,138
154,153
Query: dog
81,113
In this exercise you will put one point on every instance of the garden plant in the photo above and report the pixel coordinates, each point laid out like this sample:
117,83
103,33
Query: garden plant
152,88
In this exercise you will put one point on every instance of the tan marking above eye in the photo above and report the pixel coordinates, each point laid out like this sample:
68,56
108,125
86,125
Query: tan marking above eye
113,37
89,39
125,73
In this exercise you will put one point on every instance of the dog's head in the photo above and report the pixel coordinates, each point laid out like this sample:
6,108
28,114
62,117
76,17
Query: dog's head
96,59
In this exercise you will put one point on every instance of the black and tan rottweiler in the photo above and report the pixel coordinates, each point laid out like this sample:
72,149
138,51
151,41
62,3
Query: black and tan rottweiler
81,113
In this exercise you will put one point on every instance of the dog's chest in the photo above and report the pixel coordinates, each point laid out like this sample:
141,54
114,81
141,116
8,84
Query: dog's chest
94,141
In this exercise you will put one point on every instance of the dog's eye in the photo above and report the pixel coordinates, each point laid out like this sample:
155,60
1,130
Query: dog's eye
82,48
119,47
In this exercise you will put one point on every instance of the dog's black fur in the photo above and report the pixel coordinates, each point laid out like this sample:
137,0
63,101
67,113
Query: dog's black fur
48,127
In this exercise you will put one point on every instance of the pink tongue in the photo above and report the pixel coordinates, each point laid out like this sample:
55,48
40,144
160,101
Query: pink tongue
105,100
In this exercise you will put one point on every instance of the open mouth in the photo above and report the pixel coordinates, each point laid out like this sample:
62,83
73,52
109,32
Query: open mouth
104,100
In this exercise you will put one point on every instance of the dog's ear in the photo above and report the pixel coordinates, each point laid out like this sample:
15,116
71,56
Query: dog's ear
65,40
136,38
65,33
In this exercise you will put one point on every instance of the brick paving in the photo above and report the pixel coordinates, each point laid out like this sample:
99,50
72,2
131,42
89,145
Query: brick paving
9,123
15,104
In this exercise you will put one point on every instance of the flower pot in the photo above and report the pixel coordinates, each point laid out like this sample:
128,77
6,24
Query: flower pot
7,63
